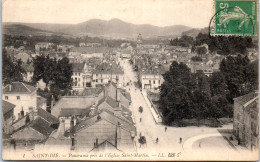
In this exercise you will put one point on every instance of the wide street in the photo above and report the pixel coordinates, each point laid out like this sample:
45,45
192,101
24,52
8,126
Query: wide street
169,141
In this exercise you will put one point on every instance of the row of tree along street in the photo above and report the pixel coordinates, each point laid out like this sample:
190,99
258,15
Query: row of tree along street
185,95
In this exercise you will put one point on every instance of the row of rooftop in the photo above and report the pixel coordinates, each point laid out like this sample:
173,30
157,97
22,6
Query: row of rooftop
100,115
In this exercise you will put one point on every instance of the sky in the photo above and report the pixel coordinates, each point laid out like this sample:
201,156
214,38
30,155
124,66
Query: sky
192,13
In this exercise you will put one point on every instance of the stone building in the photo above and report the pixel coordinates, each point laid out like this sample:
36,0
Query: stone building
246,126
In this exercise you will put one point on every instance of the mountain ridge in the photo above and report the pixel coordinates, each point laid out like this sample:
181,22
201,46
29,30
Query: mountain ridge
107,28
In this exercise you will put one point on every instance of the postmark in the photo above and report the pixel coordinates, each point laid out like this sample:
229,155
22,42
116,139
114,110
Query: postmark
235,17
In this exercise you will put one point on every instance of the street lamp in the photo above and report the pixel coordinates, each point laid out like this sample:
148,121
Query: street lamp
111,71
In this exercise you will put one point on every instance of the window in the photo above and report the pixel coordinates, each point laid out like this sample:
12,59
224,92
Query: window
154,82
79,79
96,80
101,80
149,81
158,81
76,79
79,74
6,97
18,97
96,75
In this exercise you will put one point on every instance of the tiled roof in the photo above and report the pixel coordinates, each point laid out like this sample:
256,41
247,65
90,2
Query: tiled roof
89,50
67,104
110,101
80,102
127,95
51,141
242,100
91,91
7,106
105,146
126,51
74,112
77,67
18,87
41,101
155,69
106,68
43,43
194,68
28,67
47,116
108,116
41,126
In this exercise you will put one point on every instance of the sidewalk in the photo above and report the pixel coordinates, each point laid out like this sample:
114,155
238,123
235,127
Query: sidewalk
234,143
156,117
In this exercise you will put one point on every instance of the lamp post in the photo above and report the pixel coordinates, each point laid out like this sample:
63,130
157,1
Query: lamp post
111,72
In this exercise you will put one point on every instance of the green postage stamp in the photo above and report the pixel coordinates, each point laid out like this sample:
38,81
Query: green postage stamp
235,17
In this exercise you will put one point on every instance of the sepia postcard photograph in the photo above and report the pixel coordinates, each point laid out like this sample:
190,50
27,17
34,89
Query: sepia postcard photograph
130,80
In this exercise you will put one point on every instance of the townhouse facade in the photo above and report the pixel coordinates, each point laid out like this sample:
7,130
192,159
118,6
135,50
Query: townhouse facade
106,72
246,120
81,76
151,78
23,96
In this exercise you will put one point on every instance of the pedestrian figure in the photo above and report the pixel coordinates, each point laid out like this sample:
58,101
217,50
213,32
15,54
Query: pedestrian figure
199,145
157,140
180,139
140,120
165,129
129,89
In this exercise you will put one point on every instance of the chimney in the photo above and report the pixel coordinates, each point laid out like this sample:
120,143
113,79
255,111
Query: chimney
27,119
19,116
51,102
98,117
22,112
117,95
118,135
10,87
61,128
96,142
72,125
72,143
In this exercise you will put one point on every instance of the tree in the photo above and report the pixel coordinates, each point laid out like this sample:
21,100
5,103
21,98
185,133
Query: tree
201,51
12,71
237,73
203,83
225,45
38,63
56,75
196,58
175,97
48,70
218,84
62,81
184,41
